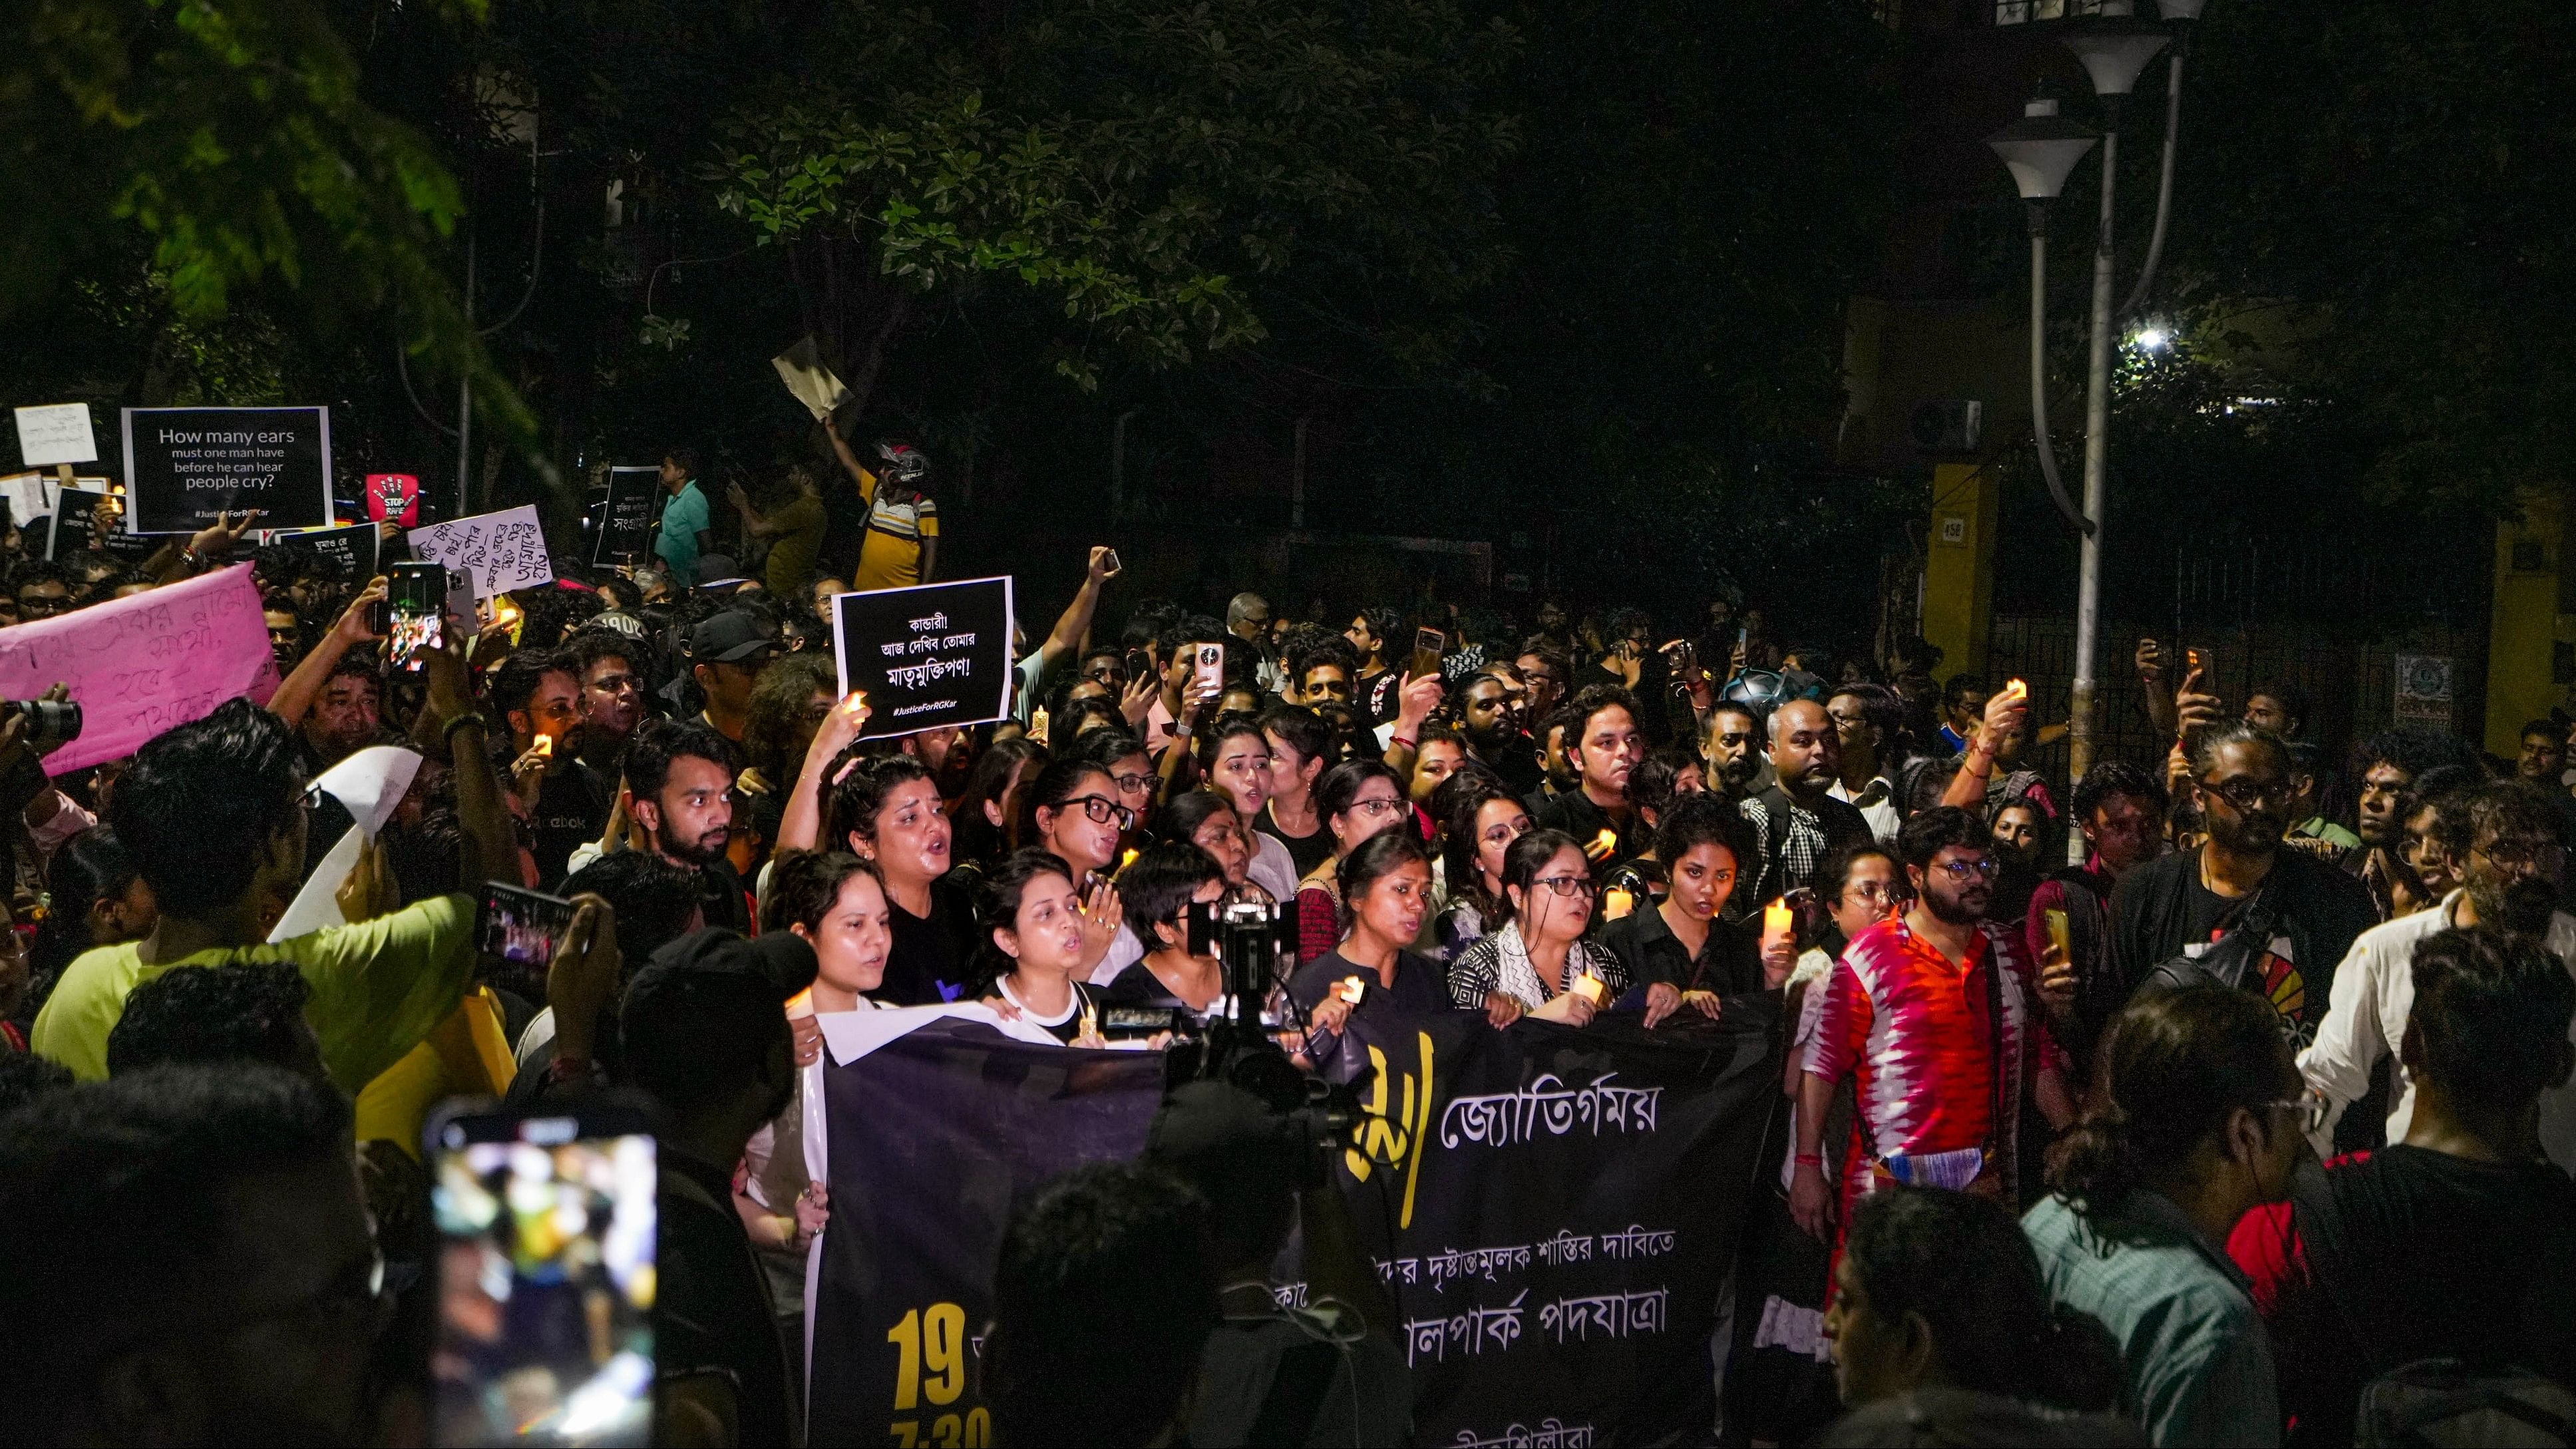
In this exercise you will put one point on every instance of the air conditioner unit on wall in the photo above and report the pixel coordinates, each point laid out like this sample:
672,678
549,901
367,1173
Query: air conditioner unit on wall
1947,425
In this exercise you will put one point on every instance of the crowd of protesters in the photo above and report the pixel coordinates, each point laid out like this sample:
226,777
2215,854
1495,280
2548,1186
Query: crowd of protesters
2251,1125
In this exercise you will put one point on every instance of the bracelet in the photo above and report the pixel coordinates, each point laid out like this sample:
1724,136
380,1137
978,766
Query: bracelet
462,719
1810,1159
1396,740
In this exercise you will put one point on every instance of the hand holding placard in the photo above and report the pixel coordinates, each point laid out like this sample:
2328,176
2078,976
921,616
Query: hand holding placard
143,665
503,552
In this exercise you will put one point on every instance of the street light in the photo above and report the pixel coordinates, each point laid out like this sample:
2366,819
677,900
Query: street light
2039,150
2114,49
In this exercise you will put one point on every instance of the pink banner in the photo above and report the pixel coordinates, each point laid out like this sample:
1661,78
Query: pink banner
146,664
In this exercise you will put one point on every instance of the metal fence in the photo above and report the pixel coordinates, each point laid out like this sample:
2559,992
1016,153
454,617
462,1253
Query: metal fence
2351,683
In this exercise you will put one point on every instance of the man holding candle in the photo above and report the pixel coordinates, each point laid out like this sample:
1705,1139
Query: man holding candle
1604,745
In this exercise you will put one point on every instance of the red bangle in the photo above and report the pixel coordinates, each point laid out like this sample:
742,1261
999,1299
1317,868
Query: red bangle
1810,1159
1400,740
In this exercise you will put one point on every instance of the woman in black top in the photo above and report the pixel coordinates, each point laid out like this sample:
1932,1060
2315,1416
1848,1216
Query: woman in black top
1386,888
885,809
1156,892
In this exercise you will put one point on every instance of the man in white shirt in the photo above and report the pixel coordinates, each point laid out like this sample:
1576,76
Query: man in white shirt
2503,833
1866,717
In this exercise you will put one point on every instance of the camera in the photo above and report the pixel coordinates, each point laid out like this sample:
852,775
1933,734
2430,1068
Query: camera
1255,942
51,723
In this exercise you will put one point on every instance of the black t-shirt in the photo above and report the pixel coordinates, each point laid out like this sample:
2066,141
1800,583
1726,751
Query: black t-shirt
1729,961
1305,851
1518,764
721,896
572,808
931,959
1574,813
2435,1257
1419,985
2161,907
711,1309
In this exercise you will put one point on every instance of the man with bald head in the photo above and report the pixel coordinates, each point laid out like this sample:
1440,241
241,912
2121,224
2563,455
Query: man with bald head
1798,821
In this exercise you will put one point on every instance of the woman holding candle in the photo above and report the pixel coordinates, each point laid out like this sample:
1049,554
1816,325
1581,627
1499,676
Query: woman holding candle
1035,928
1681,953
1386,882
1537,965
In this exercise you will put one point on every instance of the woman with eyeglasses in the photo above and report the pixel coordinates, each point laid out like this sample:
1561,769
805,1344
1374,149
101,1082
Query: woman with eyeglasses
1073,813
1482,819
1355,799
1130,770
1537,964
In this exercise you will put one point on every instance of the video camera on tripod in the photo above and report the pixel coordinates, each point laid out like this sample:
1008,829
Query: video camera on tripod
1255,942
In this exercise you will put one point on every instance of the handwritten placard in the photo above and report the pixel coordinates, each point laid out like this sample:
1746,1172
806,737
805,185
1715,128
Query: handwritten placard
56,433
927,657
186,466
143,665
30,495
503,551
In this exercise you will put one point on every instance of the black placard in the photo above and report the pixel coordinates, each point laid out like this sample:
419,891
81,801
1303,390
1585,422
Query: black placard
347,554
70,529
928,656
184,466
626,519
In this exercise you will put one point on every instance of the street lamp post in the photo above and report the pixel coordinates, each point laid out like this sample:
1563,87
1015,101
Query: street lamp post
2113,51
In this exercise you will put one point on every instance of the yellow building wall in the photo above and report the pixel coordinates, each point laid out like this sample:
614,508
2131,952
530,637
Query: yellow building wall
1959,568
2525,623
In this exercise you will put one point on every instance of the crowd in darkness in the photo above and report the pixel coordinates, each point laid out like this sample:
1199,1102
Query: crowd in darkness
2251,1124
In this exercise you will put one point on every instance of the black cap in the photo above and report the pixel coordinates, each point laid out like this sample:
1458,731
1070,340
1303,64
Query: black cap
782,961
728,638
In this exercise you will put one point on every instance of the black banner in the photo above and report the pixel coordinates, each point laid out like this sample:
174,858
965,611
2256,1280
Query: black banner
1553,1212
926,656
183,466
626,517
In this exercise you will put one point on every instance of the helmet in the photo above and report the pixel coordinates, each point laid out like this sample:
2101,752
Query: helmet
904,463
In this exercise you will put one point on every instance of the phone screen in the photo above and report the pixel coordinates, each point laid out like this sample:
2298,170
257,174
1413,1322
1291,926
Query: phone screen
519,930
546,1280
1428,646
416,593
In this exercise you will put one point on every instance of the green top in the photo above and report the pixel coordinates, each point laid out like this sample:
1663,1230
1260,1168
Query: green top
2317,827
378,988
683,519
791,557
2194,1353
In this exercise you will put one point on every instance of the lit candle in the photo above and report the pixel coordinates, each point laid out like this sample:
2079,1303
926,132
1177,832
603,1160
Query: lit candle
1775,921
1605,845
1616,904
1592,989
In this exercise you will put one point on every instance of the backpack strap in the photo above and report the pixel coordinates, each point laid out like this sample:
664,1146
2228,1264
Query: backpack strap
2321,1237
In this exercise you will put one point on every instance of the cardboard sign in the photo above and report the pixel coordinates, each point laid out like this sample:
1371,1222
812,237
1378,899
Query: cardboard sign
346,553
801,368
143,665
503,551
395,496
926,657
183,466
56,433
626,520
30,497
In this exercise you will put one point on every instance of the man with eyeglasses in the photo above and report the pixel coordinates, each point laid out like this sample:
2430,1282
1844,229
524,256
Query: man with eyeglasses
2503,837
2298,915
538,695
44,590
613,699
1928,1013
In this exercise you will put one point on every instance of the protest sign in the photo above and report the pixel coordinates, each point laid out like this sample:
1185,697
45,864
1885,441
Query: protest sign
809,381
184,466
1552,1211
72,529
56,433
30,496
501,551
347,553
142,665
927,656
626,519
395,496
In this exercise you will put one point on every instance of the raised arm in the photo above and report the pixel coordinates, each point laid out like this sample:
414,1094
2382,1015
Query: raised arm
296,694
2004,711
1075,621
490,849
802,819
